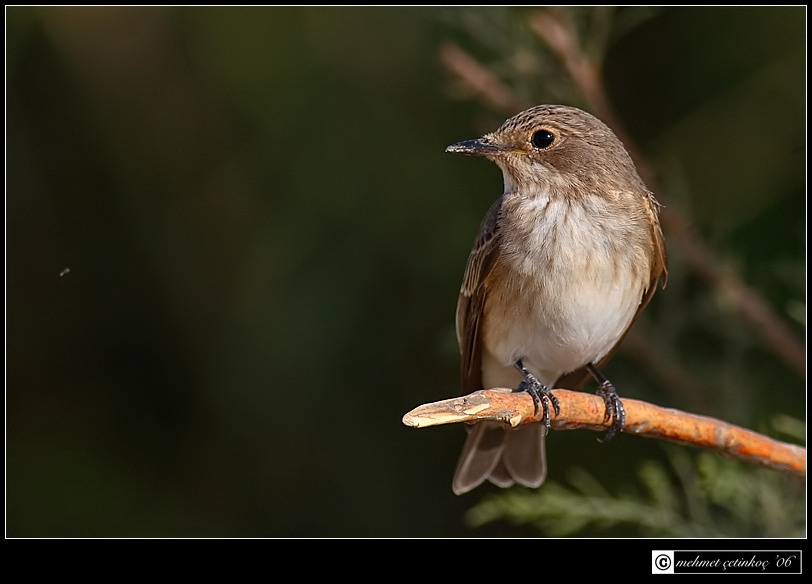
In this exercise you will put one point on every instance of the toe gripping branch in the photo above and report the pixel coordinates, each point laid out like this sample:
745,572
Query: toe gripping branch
613,406
541,394
543,397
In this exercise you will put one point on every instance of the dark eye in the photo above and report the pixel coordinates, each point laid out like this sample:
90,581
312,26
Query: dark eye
542,138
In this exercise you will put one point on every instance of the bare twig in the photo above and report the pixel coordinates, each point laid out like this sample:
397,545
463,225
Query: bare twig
479,79
558,31
583,410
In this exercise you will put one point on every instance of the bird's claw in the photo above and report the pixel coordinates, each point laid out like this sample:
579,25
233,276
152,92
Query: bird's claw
542,396
614,410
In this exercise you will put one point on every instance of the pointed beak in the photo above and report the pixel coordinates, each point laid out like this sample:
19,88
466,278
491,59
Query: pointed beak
477,147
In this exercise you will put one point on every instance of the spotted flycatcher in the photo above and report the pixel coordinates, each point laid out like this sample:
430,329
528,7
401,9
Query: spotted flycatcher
564,262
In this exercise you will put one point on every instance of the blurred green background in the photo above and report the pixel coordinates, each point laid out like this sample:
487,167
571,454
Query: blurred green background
234,246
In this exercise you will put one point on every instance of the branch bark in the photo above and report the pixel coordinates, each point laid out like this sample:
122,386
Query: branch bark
581,410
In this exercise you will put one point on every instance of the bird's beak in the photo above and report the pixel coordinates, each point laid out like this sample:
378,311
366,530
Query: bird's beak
477,147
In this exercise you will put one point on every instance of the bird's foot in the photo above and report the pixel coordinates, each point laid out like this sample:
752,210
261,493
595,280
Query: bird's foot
614,409
541,394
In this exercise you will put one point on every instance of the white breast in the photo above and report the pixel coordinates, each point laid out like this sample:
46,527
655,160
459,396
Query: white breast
566,289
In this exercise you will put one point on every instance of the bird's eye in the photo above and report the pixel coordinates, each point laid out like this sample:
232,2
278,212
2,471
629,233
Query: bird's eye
542,138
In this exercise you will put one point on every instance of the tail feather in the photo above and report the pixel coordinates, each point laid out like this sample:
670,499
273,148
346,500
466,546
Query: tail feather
501,455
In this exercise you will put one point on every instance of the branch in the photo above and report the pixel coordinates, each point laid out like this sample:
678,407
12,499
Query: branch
581,410
479,79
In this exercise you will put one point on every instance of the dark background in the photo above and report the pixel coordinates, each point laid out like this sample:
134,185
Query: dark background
234,246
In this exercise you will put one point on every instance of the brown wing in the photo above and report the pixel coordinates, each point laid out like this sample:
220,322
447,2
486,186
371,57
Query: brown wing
490,452
471,301
659,270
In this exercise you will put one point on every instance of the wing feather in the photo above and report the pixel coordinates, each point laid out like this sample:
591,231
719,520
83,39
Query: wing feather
471,302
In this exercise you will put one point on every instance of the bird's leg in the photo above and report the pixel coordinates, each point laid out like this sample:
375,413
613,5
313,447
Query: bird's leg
611,400
541,394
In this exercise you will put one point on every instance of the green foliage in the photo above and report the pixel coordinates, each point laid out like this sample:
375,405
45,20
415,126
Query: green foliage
691,495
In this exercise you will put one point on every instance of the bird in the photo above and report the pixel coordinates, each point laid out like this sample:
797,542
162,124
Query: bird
564,262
